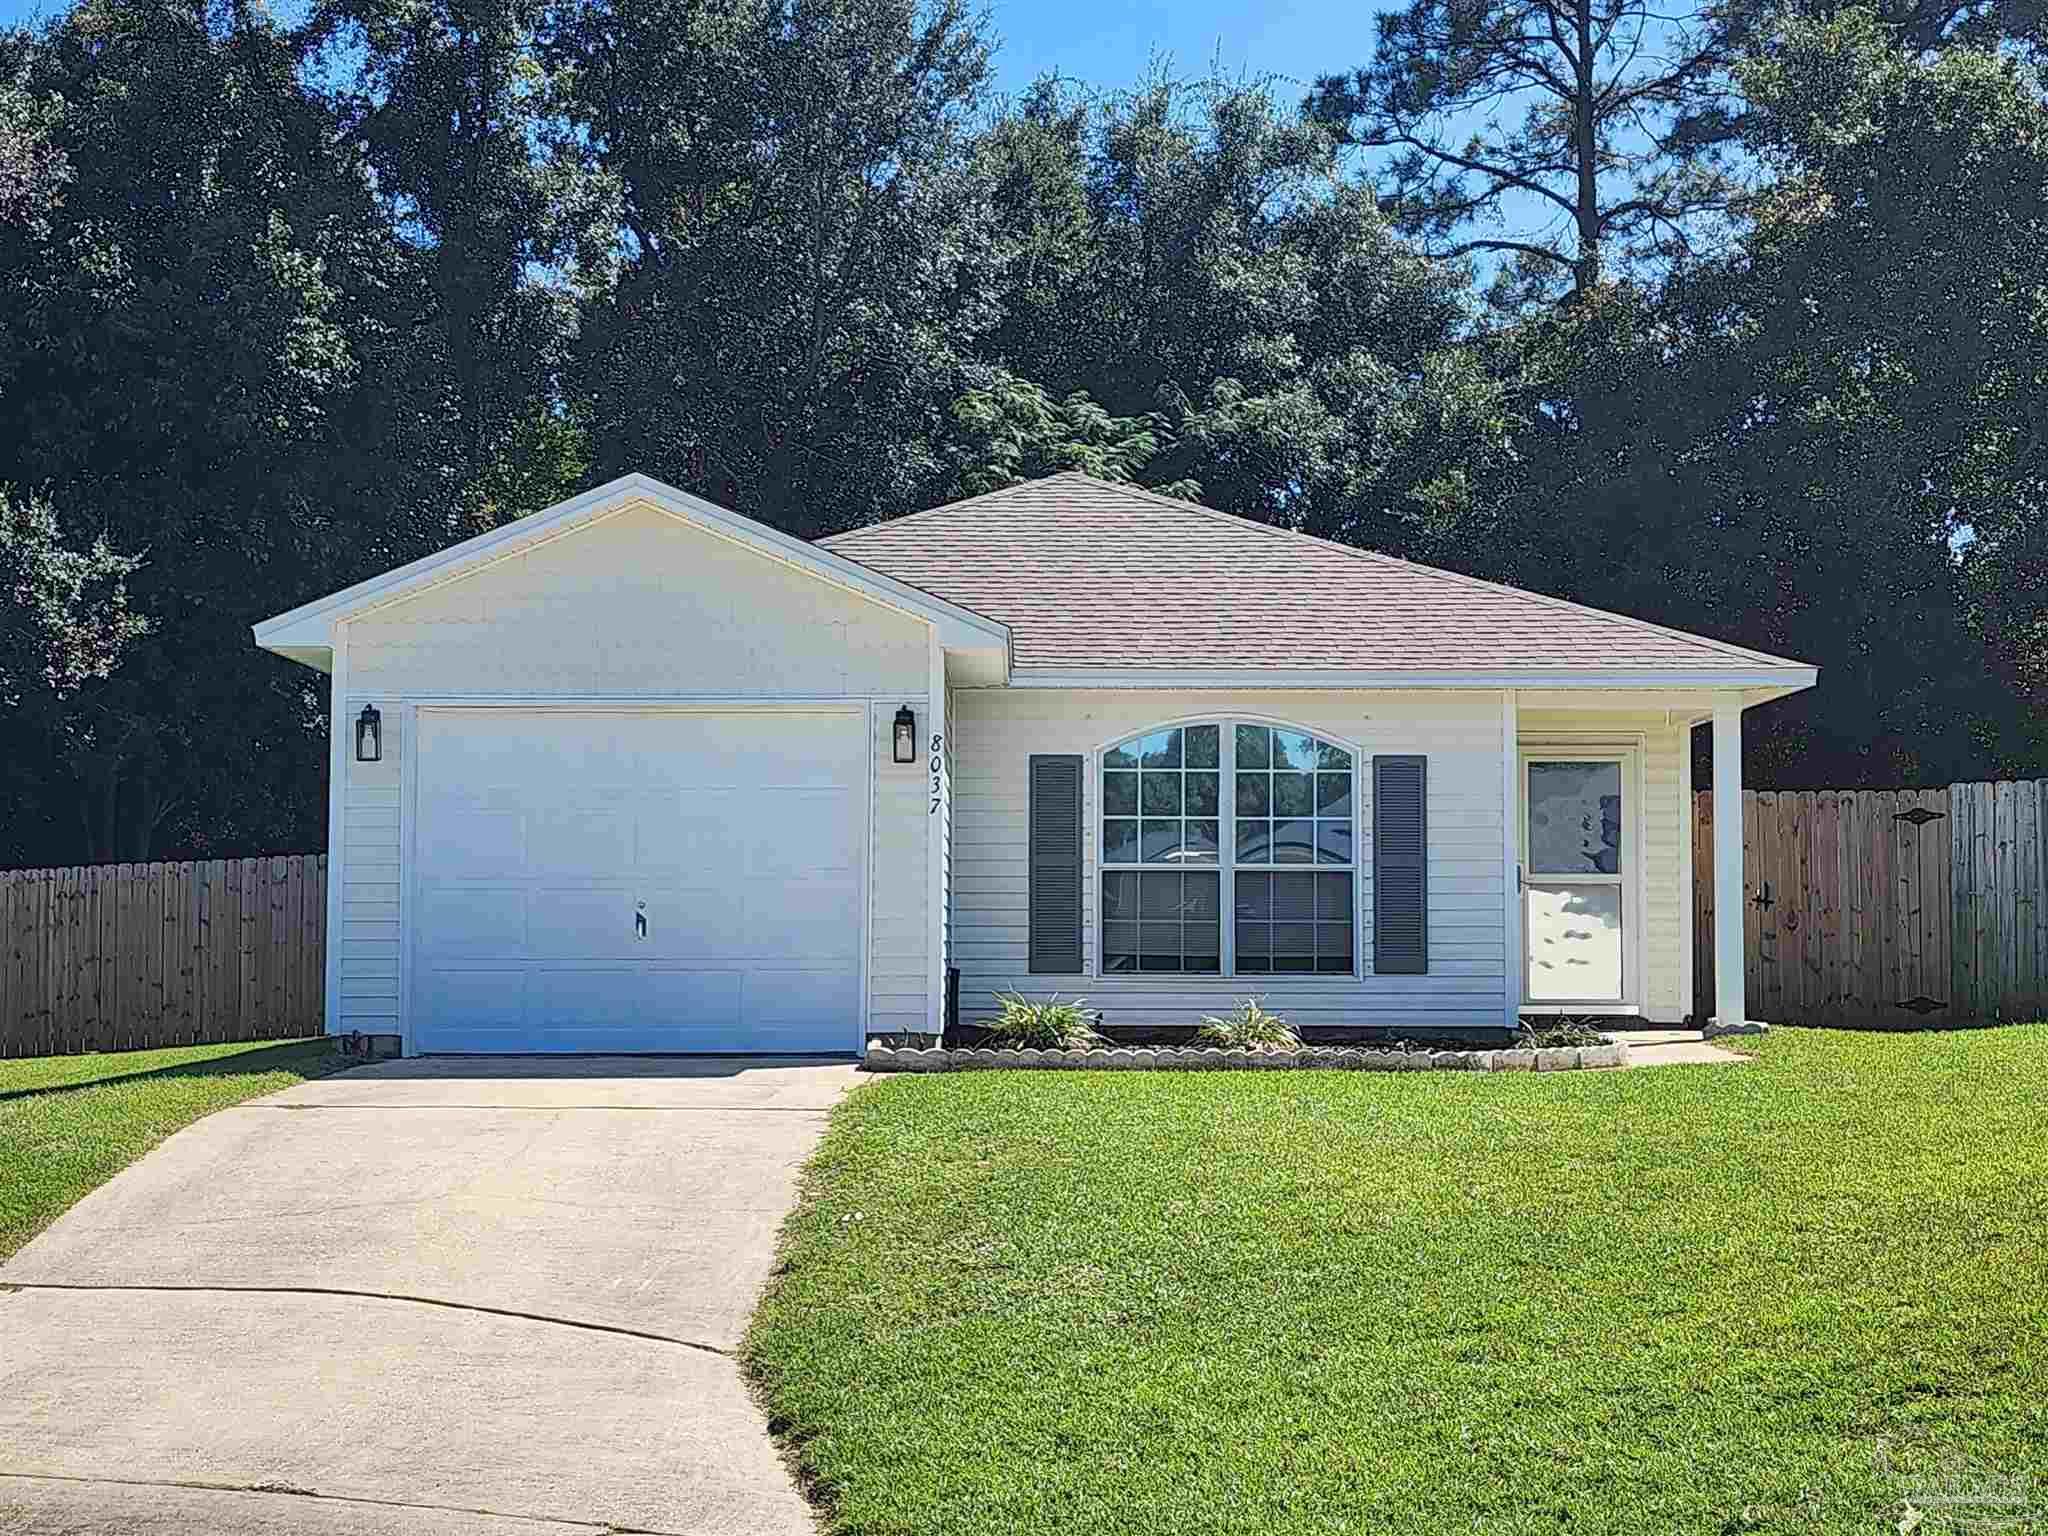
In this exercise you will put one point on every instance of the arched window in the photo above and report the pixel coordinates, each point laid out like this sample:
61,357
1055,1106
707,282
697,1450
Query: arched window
1254,818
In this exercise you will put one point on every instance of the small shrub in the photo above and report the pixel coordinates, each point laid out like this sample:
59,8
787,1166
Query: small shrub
1250,1028
1048,1025
1538,1033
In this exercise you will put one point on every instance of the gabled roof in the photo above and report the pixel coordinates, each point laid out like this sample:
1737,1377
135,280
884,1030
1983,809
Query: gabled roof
1094,577
306,633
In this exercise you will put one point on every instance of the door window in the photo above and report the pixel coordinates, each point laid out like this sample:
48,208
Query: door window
1575,858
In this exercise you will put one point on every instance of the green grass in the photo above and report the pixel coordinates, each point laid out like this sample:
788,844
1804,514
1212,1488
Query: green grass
70,1123
1777,1297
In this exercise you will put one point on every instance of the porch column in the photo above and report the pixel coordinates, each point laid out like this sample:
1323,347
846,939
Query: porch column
1511,859
1730,1006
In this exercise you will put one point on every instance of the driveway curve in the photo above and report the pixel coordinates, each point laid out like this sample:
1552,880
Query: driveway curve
445,1295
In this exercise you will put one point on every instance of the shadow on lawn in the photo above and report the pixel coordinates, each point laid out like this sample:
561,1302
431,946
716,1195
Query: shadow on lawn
286,1053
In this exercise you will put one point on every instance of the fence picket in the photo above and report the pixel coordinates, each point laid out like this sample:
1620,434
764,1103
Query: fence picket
2038,890
2025,881
1984,918
1760,954
1827,874
291,985
1937,906
60,884
10,984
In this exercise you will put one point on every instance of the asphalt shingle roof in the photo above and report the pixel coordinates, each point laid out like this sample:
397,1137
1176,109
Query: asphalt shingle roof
1092,574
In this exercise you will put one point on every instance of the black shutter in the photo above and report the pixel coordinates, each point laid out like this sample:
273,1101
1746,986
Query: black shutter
1400,866
1056,865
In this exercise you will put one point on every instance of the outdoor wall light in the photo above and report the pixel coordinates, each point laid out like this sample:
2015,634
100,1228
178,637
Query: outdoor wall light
906,735
369,735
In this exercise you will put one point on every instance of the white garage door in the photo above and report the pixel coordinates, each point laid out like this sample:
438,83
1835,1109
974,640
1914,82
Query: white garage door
643,881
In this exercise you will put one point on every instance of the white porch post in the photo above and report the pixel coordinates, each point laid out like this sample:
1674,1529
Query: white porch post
1730,1006
1511,858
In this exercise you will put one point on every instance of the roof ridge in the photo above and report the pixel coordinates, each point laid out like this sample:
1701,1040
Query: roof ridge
1438,573
827,540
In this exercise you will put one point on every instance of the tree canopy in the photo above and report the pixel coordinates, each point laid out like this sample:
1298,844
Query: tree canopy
1731,318
1591,114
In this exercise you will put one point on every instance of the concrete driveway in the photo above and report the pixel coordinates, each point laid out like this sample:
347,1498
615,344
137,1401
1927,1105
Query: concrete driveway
465,1296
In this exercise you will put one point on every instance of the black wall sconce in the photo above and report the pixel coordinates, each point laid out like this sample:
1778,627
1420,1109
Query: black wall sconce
906,735
369,735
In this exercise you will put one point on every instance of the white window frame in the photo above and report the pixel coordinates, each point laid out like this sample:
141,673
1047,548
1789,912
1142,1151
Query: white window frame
1628,753
1226,853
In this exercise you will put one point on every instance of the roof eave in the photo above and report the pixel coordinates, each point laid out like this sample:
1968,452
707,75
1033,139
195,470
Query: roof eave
306,633
1770,682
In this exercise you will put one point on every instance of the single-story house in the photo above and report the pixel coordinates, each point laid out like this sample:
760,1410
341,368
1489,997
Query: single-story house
639,774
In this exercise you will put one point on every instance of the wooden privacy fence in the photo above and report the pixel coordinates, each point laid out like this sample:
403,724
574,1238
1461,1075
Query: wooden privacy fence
123,956
1885,907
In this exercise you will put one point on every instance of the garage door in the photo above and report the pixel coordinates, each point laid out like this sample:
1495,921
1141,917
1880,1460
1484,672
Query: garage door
638,881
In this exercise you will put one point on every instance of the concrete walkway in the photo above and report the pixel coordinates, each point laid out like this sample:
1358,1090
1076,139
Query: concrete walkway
464,1296
1672,1048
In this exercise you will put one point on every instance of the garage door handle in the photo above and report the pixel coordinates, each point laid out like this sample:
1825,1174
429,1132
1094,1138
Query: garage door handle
640,920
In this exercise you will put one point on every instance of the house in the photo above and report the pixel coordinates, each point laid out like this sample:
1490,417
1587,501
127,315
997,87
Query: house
639,774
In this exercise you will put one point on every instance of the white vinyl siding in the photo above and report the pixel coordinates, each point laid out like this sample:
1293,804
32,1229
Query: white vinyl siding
636,605
899,969
1666,829
367,924
996,731
943,829
639,602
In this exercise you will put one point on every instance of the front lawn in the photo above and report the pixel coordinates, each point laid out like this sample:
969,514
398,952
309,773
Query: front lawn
1797,1295
70,1123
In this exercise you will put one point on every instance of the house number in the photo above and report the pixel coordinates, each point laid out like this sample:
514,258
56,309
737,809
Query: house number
938,770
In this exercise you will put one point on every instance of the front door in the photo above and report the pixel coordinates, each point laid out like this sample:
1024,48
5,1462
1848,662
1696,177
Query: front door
1577,863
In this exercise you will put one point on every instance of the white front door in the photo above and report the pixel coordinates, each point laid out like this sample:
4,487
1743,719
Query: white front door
638,880
1578,853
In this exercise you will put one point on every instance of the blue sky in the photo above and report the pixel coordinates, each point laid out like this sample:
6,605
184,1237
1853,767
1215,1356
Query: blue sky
1111,43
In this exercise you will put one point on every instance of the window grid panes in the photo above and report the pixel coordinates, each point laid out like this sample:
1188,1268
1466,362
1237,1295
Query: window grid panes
1291,829
1160,798
1161,920
1293,799
1294,921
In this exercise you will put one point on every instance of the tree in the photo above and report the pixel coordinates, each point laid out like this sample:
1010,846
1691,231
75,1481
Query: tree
64,614
1786,447
800,282
1586,160
1918,26
212,347
1189,258
451,107
1013,431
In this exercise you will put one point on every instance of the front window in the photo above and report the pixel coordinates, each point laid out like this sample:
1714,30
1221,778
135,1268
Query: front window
1161,813
1280,842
